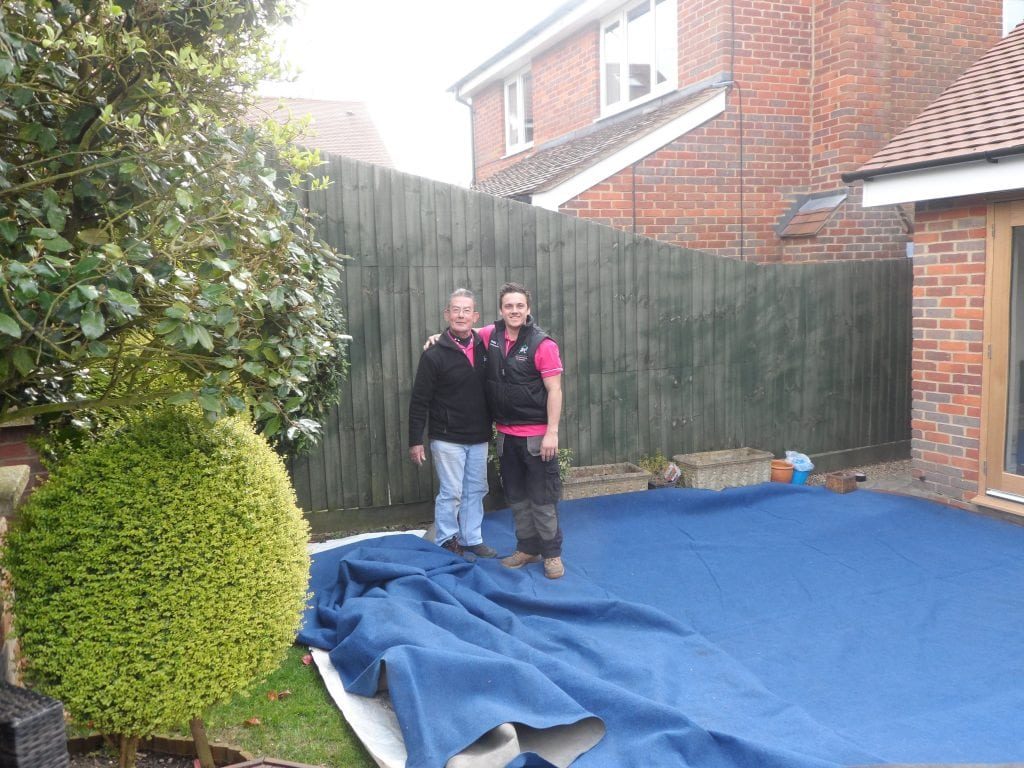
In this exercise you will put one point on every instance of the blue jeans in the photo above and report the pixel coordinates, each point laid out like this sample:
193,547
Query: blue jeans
459,506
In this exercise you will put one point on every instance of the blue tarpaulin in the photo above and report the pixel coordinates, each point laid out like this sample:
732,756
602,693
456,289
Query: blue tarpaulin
765,626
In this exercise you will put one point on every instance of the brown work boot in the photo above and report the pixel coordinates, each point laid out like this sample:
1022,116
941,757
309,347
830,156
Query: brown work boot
553,567
518,559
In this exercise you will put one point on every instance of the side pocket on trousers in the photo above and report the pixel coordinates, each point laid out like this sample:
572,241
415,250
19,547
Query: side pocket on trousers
533,444
553,480
499,444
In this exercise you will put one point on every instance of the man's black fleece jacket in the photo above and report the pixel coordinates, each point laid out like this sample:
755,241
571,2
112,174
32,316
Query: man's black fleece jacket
451,394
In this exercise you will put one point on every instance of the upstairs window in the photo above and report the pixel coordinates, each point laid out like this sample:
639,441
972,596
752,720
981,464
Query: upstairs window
638,54
519,113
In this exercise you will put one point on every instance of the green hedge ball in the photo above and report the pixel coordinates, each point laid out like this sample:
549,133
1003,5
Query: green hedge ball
158,572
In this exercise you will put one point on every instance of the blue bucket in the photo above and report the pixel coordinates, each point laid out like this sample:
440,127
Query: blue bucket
800,476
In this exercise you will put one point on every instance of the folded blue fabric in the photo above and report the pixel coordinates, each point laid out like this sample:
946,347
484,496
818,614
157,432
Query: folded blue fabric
468,646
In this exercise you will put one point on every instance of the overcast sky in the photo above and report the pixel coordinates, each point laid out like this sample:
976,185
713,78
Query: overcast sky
400,56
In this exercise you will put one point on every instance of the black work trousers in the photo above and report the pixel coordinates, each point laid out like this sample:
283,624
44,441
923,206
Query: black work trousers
532,489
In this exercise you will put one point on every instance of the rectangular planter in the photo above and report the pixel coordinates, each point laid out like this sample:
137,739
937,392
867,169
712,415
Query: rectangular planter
603,479
715,470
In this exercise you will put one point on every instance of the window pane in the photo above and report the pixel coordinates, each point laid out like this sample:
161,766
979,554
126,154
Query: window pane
512,114
527,108
665,40
639,49
612,63
1014,462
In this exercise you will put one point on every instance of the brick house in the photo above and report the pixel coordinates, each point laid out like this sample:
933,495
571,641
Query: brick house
723,125
961,163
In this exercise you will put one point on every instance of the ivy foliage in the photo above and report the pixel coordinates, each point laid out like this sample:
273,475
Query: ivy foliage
158,572
151,245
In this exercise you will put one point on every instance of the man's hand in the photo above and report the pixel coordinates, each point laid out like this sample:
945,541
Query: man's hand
417,455
431,341
549,446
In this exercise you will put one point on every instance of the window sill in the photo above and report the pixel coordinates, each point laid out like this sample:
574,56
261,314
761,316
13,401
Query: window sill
607,112
513,151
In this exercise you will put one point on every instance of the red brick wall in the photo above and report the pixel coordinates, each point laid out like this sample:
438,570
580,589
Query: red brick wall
949,300
566,86
14,449
823,83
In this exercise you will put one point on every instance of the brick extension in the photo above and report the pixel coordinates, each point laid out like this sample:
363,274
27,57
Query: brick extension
949,303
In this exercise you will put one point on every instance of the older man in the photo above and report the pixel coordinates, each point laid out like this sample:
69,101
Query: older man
448,391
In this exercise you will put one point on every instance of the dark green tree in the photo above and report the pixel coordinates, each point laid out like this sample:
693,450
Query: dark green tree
151,244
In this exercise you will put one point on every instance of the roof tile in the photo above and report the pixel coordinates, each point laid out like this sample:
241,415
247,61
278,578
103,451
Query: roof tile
558,161
981,112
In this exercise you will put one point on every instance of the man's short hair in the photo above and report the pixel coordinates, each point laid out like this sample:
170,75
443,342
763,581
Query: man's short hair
462,293
514,288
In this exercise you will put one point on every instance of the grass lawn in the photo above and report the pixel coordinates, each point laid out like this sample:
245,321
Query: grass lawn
303,726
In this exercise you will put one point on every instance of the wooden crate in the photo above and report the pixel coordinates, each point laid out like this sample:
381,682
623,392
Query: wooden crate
843,481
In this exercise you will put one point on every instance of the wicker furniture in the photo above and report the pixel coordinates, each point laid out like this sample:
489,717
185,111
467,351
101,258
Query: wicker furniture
603,479
715,470
31,730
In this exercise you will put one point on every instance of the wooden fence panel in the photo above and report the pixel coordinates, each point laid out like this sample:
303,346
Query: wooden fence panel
666,349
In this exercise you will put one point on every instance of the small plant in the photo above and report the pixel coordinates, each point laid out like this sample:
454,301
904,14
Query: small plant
158,571
654,463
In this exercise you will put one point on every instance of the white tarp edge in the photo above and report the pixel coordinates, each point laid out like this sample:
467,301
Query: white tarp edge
372,719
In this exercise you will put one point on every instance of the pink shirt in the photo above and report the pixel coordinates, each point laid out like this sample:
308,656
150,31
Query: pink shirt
467,349
548,362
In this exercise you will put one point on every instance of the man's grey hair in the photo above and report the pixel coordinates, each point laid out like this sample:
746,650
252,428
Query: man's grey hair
462,293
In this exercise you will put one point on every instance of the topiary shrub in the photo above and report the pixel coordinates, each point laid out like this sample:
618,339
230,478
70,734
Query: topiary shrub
157,572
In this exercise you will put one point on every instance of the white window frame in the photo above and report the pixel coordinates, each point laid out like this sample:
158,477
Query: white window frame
519,123
657,89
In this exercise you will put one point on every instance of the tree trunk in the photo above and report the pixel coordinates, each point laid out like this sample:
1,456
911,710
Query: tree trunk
129,748
203,751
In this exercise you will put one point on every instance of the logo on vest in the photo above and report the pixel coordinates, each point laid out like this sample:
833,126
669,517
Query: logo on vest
522,349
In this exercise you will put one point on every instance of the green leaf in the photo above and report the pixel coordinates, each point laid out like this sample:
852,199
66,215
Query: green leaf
98,349
55,217
205,340
8,230
166,326
9,326
92,324
57,244
126,300
43,233
23,361
211,403
93,236
88,292
181,398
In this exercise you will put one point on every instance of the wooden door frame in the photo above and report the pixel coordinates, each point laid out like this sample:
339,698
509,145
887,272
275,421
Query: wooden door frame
1002,217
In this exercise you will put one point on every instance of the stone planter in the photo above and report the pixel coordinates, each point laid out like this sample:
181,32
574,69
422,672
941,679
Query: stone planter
715,470
603,479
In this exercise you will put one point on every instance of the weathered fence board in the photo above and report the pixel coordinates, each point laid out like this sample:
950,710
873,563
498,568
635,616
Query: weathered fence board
666,349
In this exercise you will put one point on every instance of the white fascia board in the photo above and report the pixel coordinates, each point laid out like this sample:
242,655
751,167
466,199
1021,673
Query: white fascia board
975,178
520,57
637,150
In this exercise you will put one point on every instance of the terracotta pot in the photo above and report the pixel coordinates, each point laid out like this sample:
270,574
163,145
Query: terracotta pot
782,471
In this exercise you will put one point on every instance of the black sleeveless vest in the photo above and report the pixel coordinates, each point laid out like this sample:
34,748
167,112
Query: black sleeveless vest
515,389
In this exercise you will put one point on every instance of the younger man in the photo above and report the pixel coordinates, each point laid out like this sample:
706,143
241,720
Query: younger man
524,392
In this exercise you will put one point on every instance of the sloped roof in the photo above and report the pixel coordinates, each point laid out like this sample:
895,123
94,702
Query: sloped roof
809,214
557,161
980,116
339,127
